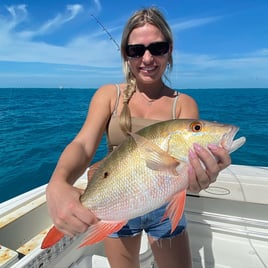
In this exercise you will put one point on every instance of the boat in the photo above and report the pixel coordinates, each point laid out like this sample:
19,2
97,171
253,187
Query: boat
227,225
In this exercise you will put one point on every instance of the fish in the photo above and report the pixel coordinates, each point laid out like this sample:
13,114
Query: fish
146,171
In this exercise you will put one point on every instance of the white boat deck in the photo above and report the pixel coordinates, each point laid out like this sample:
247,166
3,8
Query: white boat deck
227,223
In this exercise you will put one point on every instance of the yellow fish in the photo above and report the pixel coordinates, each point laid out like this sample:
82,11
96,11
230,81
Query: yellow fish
149,169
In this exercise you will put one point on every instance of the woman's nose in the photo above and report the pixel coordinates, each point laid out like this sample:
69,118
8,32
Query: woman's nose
147,57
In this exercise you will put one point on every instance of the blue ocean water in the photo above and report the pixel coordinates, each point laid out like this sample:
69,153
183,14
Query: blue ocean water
37,124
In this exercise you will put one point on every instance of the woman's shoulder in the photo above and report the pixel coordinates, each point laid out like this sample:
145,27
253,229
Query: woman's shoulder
187,98
108,95
183,98
187,106
109,89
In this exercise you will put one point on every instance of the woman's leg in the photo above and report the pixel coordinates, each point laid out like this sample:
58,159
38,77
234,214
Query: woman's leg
123,252
172,252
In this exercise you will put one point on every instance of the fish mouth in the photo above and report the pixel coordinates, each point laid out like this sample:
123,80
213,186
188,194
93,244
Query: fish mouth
228,141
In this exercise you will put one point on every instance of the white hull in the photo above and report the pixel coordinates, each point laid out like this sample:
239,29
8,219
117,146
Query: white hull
227,224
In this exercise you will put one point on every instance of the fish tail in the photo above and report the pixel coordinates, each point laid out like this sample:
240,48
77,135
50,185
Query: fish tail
97,232
52,237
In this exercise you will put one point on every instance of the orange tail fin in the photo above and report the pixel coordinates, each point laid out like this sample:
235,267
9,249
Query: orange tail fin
52,237
96,233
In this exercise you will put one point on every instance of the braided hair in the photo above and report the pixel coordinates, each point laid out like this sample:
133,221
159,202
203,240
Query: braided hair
148,15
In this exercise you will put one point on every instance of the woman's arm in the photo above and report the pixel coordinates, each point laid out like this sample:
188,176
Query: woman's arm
63,199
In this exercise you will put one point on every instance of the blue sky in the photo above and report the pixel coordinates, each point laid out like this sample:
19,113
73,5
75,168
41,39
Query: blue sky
218,43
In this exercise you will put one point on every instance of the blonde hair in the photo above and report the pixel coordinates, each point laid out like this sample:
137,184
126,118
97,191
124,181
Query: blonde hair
152,16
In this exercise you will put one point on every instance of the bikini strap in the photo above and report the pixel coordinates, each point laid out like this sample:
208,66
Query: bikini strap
175,105
117,99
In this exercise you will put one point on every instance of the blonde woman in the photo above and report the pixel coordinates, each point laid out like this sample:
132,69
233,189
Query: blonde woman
143,99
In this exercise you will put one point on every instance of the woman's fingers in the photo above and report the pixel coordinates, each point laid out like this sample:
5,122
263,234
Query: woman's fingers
205,165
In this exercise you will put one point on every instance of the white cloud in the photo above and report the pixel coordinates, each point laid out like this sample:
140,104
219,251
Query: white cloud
179,26
261,52
81,51
245,70
18,14
98,5
18,11
86,50
245,62
53,24
97,50
71,12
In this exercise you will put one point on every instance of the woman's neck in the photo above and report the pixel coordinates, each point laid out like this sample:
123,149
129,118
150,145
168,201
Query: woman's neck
151,92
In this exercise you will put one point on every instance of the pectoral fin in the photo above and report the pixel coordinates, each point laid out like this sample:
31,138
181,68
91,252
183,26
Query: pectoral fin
155,157
93,169
97,232
175,208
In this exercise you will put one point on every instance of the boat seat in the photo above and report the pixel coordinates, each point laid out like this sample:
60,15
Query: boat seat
7,257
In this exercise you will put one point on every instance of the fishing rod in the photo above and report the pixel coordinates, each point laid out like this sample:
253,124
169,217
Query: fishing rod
107,32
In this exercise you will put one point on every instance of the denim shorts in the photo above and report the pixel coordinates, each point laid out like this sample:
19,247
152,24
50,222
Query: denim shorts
152,224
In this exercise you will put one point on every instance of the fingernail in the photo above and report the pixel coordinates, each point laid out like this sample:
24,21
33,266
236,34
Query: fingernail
197,147
192,154
213,147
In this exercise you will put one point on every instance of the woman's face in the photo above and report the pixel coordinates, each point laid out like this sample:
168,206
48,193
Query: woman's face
147,68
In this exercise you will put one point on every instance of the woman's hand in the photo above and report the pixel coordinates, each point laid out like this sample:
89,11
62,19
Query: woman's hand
64,207
201,174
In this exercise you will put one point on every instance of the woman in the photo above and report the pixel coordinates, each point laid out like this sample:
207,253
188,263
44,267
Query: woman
146,50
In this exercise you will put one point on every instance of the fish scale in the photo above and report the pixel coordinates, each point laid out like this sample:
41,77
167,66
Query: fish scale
149,169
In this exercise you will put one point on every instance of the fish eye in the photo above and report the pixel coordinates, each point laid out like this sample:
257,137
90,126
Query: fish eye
196,126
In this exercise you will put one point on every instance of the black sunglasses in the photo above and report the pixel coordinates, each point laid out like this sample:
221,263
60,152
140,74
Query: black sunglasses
156,49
